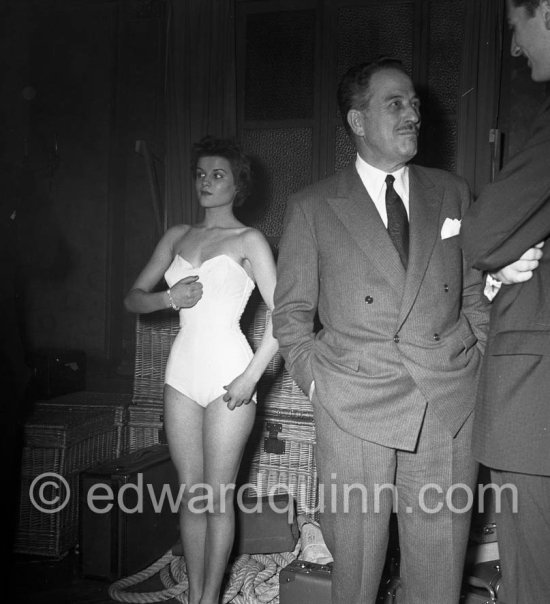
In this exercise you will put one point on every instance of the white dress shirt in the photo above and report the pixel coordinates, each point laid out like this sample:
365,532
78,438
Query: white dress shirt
374,181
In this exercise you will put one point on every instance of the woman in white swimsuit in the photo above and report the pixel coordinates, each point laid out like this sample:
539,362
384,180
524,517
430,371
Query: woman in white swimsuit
211,269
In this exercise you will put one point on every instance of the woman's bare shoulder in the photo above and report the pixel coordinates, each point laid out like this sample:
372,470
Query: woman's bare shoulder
179,229
253,236
175,233
255,242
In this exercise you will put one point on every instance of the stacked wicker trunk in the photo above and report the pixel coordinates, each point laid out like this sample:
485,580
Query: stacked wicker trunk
155,333
280,453
63,437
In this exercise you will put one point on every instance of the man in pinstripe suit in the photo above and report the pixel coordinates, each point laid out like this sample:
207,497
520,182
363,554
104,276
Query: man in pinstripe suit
392,373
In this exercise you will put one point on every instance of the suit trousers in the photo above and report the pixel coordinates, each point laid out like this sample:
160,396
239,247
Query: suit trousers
523,530
361,482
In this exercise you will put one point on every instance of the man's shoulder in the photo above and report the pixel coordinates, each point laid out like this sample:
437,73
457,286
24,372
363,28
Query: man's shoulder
437,176
324,188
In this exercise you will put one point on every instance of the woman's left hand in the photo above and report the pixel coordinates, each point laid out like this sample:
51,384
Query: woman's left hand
239,392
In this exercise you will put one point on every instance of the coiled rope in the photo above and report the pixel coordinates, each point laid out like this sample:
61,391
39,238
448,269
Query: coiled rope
253,579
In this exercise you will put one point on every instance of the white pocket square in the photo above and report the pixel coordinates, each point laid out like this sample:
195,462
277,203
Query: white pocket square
450,228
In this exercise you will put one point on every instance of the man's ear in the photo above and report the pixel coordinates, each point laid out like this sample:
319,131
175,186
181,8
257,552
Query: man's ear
355,121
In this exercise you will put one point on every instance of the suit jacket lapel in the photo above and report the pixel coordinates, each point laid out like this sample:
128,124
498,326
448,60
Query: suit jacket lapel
425,202
357,212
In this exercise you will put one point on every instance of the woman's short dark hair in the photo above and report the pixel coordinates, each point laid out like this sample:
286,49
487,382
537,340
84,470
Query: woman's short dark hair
353,90
210,146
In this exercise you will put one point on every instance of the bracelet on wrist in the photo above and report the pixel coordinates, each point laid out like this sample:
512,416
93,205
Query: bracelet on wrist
493,280
171,304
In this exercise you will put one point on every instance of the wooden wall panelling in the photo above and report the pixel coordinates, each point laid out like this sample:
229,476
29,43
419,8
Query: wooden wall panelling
439,93
278,102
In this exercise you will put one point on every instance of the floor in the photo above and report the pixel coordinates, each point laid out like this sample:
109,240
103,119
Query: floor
35,580
42,581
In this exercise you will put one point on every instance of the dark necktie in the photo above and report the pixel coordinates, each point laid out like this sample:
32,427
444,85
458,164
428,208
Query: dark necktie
398,224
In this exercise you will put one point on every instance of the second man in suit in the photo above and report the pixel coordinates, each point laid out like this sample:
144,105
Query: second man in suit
512,423
392,373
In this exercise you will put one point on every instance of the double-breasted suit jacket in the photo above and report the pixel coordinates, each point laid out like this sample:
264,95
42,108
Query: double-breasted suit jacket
512,424
392,340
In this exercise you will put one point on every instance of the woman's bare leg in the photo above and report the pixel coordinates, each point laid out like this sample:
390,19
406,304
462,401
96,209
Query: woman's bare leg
225,434
183,421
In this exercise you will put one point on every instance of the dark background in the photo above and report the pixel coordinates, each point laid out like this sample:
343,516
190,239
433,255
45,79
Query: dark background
83,80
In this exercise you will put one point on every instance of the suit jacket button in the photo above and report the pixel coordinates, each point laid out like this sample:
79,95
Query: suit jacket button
446,287
436,337
396,338
369,299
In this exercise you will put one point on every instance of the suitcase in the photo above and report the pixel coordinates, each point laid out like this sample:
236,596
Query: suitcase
125,523
484,527
477,597
484,581
305,583
483,546
308,583
262,526
266,525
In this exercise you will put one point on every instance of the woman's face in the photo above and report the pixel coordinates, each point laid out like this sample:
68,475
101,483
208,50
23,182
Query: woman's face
214,182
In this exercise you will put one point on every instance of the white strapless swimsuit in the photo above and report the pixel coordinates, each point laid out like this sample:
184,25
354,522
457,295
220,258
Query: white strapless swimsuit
210,349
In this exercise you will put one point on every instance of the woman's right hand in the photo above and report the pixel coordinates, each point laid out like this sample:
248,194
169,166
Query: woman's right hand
187,291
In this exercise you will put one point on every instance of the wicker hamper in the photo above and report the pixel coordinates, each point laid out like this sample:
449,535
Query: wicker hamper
278,393
280,454
280,459
94,402
145,426
253,324
283,397
155,333
60,442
